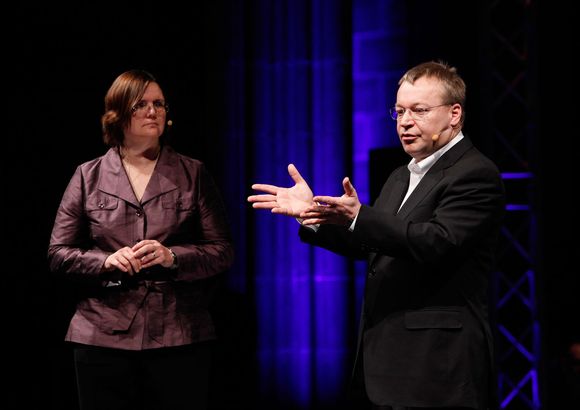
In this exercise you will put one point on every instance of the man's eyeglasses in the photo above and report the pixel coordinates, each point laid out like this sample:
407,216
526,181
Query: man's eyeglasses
143,107
416,113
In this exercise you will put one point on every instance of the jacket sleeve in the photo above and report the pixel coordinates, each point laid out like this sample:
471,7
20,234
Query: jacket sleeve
334,238
212,252
70,249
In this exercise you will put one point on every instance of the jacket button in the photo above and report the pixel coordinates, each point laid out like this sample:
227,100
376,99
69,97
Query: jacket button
101,205
372,273
138,212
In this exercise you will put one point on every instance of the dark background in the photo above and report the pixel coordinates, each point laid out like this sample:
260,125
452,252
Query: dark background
59,61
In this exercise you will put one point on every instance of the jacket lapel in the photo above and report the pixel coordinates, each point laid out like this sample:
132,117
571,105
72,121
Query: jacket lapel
396,192
113,179
427,183
433,176
162,179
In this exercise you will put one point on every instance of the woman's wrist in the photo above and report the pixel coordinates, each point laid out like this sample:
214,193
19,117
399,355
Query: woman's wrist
174,263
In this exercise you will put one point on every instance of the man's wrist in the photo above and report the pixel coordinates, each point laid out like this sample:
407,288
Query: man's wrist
353,222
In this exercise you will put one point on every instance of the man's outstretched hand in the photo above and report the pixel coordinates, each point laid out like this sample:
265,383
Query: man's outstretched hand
333,210
285,201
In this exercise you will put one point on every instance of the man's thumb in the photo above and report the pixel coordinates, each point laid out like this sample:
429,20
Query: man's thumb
348,187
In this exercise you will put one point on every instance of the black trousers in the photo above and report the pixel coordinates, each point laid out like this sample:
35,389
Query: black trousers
163,379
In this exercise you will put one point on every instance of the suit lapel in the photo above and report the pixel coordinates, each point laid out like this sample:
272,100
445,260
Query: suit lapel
433,176
425,185
396,192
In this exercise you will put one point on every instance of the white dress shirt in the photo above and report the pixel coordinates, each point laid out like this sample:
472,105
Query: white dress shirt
419,169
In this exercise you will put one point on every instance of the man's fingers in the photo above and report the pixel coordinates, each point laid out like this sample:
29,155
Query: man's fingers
294,174
281,211
312,214
313,221
262,198
317,212
265,205
270,189
330,200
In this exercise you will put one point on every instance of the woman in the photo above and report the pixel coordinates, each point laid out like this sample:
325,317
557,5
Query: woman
146,228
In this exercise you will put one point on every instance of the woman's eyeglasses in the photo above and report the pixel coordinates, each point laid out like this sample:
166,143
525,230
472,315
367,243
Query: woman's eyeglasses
143,107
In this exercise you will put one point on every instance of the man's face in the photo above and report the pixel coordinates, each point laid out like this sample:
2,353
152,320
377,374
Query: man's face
423,113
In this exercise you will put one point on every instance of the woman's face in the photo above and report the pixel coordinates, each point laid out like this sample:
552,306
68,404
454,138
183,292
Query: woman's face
149,116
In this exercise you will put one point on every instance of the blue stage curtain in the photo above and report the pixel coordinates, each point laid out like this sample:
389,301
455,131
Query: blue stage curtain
290,96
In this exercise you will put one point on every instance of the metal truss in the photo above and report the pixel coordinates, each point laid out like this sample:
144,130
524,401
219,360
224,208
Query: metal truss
510,72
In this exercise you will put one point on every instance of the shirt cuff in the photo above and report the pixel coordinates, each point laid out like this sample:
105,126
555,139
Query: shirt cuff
311,227
351,227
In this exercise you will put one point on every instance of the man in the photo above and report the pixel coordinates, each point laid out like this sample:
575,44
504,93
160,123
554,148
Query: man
425,339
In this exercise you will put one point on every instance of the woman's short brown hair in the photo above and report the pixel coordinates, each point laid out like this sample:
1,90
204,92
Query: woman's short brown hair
127,89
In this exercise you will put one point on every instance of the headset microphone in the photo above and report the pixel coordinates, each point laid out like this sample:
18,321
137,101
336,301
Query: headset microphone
435,137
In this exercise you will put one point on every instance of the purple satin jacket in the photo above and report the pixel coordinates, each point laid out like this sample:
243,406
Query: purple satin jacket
158,307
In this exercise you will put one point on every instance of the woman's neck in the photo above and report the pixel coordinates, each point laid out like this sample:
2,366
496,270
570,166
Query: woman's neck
139,154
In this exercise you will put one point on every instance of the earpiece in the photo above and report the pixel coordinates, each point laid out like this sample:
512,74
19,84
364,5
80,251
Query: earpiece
169,123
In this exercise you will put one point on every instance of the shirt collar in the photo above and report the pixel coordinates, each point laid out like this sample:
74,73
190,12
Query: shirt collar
421,167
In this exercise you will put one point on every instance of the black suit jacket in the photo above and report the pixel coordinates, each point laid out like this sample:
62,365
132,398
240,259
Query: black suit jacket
425,337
